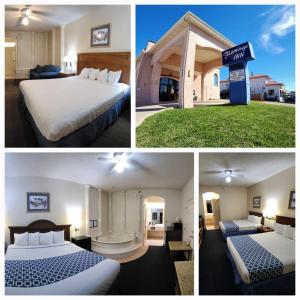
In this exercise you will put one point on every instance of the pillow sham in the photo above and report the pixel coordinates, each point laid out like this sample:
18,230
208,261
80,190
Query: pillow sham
93,74
21,239
33,239
289,232
58,237
84,74
251,218
102,76
114,77
46,238
278,228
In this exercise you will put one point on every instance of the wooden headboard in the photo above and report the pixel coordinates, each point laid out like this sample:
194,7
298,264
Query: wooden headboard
258,214
285,220
113,61
39,226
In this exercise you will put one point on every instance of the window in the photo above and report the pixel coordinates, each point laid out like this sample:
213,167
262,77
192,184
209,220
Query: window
216,80
271,92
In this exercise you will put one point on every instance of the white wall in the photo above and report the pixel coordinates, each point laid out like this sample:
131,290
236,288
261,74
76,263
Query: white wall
275,189
233,201
77,35
65,199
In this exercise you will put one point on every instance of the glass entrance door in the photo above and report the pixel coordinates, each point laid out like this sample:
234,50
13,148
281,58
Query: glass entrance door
168,89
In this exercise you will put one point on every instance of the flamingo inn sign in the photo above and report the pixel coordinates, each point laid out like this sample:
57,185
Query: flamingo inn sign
236,59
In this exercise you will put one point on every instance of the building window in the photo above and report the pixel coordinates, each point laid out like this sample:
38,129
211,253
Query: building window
216,80
271,92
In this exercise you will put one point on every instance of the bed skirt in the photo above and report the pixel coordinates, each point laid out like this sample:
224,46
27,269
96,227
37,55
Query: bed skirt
86,134
282,285
235,233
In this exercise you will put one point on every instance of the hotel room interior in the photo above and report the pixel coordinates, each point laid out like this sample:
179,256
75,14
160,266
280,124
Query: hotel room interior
67,75
247,224
99,223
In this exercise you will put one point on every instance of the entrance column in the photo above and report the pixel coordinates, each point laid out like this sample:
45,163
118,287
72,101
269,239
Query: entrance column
155,80
187,67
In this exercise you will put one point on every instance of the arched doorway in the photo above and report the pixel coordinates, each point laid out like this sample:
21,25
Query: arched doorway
168,89
211,204
154,221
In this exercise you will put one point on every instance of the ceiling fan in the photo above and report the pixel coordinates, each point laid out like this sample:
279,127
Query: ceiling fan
26,14
121,161
227,173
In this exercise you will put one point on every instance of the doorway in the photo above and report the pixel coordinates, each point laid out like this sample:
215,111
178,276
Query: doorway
211,203
154,219
168,89
10,58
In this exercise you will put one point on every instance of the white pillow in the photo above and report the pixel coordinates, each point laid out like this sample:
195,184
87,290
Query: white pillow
257,220
58,237
278,228
84,74
289,232
33,239
21,239
251,218
102,75
114,77
46,238
93,74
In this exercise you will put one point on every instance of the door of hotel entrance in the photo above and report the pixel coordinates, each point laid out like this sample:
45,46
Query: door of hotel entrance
168,89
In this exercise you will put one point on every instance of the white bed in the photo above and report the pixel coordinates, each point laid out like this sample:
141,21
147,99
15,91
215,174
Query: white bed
61,106
278,245
242,224
95,280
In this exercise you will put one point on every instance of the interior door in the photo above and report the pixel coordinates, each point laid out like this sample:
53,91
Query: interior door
10,60
216,212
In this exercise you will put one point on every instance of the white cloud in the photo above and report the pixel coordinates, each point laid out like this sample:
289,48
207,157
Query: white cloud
278,23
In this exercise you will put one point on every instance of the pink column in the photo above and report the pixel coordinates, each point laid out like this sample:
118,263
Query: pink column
155,79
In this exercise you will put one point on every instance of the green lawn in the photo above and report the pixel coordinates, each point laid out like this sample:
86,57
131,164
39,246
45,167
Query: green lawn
254,125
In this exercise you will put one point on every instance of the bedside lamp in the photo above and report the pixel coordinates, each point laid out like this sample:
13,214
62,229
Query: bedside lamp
76,224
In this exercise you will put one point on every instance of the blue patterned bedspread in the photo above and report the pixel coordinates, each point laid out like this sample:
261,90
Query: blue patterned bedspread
230,226
39,272
261,264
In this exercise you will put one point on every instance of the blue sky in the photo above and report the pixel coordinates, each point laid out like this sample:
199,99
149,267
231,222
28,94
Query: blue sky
270,29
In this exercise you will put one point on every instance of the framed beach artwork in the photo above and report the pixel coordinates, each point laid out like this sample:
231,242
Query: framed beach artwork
38,202
292,202
100,36
256,202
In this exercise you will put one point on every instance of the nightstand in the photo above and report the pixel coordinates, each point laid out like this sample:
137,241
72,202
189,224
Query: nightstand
83,242
66,74
264,229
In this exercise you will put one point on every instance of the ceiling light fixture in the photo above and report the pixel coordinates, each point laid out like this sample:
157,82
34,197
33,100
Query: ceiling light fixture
121,162
25,21
228,179
228,174
26,11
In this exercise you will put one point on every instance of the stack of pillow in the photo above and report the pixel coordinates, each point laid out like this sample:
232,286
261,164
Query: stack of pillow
254,219
285,230
104,76
39,238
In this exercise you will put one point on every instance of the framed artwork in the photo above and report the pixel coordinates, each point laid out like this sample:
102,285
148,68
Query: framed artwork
292,202
95,223
100,36
91,224
38,202
256,202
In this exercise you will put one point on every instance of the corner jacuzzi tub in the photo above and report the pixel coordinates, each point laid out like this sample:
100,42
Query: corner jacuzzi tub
116,245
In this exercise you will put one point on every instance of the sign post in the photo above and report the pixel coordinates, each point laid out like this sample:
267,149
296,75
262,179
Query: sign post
236,59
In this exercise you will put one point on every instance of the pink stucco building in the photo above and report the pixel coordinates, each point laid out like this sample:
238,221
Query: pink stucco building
183,65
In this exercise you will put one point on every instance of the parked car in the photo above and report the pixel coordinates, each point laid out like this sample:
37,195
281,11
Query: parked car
290,97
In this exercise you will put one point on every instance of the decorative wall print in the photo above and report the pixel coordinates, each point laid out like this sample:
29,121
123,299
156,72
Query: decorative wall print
292,202
38,202
100,36
95,223
91,224
256,202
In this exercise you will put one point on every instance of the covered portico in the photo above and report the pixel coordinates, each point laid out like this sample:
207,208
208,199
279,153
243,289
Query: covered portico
183,65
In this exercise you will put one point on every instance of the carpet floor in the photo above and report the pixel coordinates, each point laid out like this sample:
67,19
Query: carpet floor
215,271
151,274
19,133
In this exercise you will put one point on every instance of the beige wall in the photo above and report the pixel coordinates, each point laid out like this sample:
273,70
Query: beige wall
275,189
10,60
50,46
57,47
233,201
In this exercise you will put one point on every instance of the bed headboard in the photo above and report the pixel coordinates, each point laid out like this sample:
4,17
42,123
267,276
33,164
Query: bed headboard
39,226
258,214
114,61
285,220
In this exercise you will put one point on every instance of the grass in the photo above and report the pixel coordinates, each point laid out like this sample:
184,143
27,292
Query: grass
254,125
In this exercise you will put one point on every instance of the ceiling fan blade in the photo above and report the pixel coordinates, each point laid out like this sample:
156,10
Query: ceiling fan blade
212,172
237,175
42,13
103,158
140,166
34,18
10,8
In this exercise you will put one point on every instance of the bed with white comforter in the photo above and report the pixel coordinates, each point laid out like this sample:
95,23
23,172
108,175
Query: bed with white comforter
94,280
61,106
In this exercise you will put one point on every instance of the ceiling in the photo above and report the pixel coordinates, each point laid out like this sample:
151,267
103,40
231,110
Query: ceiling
205,55
251,168
50,16
160,170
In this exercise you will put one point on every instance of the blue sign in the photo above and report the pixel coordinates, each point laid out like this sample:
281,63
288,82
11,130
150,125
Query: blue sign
237,58
238,54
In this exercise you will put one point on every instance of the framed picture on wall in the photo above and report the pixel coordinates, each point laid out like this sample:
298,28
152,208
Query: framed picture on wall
100,36
256,202
95,223
91,224
38,202
292,202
